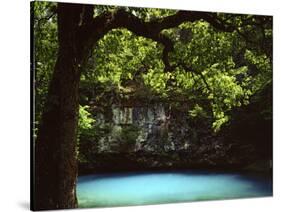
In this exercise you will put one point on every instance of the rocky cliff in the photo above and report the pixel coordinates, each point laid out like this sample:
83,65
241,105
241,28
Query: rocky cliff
157,135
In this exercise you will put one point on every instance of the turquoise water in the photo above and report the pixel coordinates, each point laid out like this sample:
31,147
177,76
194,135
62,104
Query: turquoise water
166,187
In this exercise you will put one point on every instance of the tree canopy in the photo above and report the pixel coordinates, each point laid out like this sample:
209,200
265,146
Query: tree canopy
215,61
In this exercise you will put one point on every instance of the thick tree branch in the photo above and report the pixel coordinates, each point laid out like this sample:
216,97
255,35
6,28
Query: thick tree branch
105,22
94,29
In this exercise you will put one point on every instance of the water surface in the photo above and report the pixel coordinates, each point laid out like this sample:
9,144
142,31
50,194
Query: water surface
105,190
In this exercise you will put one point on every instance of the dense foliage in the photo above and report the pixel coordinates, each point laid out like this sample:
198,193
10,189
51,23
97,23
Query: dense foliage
45,51
215,71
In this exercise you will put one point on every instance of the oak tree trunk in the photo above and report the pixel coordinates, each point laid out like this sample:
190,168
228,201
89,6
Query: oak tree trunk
55,158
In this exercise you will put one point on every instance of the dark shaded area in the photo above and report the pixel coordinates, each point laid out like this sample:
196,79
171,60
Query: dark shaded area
252,126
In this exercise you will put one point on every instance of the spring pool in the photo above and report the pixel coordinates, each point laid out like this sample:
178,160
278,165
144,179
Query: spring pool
105,190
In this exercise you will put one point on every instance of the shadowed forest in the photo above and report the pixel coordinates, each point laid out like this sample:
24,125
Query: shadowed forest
124,89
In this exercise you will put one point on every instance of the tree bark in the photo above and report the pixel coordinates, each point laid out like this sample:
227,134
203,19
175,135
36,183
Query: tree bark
55,158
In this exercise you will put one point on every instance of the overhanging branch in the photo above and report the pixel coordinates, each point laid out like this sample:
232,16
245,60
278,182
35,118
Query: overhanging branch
105,22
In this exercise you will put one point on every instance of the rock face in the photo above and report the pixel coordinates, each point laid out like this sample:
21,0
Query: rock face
145,136
148,129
